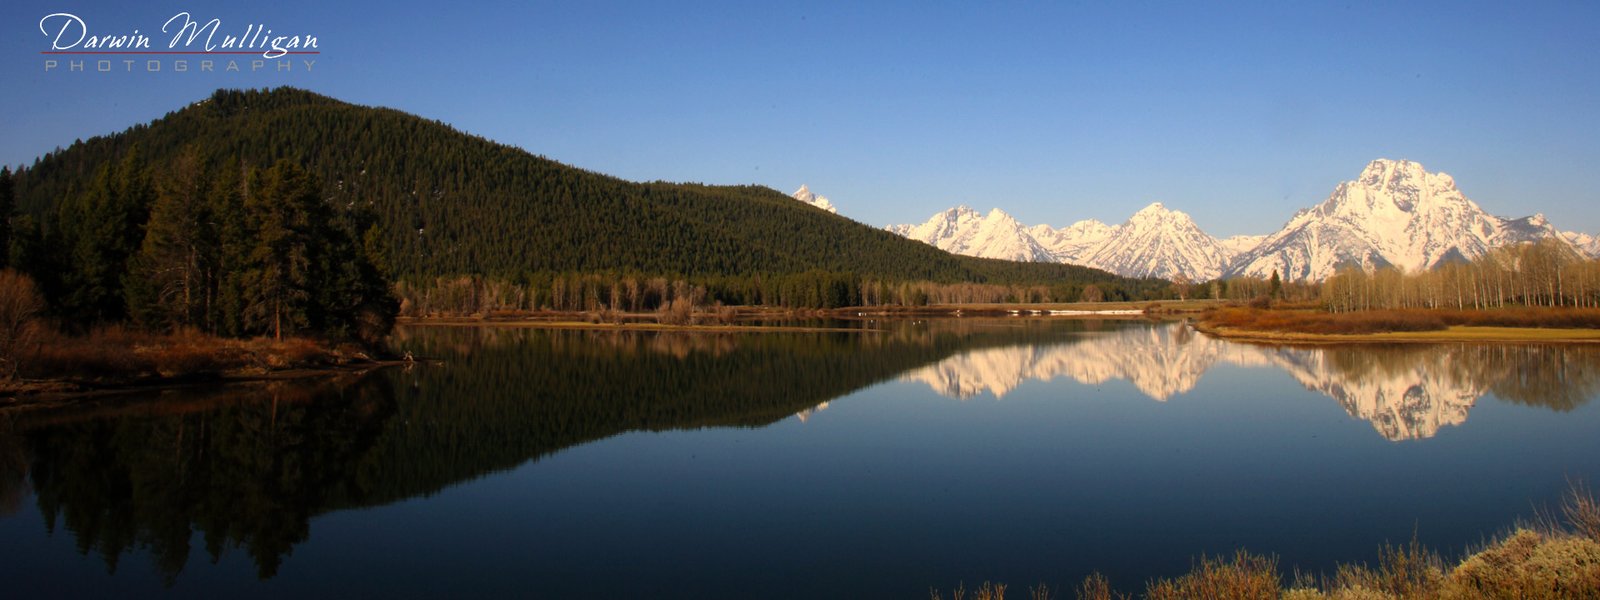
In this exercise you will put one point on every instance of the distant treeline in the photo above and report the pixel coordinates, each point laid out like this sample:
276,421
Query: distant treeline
467,295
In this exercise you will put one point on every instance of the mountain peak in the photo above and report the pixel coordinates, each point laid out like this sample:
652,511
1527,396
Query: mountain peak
805,195
1395,214
1158,210
1384,172
997,214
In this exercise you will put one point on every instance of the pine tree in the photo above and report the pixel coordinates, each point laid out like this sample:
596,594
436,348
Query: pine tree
8,205
101,229
169,281
235,237
277,279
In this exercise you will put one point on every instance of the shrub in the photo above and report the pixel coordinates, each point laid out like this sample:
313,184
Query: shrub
20,307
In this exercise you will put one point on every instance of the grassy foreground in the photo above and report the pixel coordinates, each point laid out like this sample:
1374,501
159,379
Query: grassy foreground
1409,325
1555,558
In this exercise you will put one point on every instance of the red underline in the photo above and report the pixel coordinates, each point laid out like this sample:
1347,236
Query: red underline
169,52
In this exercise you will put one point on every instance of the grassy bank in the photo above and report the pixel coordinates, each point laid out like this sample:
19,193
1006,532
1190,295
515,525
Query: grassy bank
1419,325
1555,558
116,357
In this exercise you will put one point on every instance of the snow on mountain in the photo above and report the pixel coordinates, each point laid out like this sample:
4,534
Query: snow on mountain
804,195
962,230
1160,242
1589,245
1394,214
1240,244
1154,242
1073,243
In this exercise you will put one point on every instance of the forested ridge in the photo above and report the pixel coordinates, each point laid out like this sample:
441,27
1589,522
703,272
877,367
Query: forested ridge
446,203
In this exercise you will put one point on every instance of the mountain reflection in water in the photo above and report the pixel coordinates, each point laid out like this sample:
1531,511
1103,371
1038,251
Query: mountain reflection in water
1406,391
248,467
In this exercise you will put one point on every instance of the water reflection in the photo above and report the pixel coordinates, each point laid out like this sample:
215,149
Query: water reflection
1407,392
248,467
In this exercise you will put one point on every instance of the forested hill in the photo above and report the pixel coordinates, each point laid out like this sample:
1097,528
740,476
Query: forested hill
452,203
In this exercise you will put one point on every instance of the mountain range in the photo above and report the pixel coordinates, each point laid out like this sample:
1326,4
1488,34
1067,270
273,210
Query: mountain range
1394,214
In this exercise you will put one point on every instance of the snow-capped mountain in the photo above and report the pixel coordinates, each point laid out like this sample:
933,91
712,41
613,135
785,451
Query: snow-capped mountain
804,195
1075,242
962,230
1154,242
1240,244
1589,245
1159,242
1395,214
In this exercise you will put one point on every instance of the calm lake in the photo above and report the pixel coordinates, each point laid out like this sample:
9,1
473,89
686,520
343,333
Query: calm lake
871,463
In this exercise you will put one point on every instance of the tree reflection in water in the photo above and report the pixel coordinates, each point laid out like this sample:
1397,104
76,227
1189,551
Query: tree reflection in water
247,467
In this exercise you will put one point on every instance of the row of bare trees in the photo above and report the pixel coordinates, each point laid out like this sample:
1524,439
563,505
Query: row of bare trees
1545,273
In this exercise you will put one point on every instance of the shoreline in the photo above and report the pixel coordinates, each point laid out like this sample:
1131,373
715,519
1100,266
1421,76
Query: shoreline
1452,334
61,390
624,326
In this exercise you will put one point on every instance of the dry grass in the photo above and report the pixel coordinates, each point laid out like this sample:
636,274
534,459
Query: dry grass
987,591
1532,566
1305,321
1408,572
1582,511
118,353
1246,577
1403,320
1097,587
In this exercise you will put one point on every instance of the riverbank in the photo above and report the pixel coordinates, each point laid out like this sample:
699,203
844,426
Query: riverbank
117,360
1512,325
625,326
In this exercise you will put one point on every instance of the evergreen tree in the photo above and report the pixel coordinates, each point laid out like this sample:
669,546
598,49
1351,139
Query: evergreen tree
8,206
169,281
1274,285
282,208
234,241
101,229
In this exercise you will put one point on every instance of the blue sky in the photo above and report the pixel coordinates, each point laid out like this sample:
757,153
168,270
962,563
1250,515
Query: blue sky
1238,114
